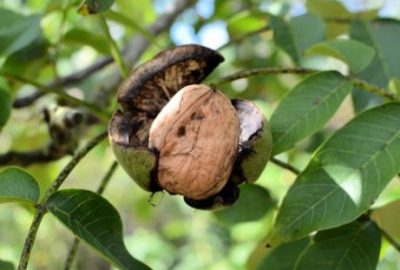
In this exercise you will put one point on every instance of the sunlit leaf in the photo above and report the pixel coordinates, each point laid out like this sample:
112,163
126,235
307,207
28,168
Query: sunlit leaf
4,265
345,175
356,54
388,218
295,36
354,246
382,36
253,203
245,22
94,220
17,31
17,185
84,37
88,7
307,108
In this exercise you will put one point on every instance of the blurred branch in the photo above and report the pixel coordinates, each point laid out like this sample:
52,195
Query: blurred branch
63,81
131,53
285,166
30,157
73,100
41,207
390,239
75,245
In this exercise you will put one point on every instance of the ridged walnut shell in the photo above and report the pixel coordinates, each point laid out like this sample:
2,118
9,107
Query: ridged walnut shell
197,137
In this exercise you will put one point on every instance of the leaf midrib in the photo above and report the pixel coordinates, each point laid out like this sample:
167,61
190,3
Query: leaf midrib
289,226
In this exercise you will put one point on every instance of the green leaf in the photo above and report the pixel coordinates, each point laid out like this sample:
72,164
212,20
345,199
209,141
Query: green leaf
81,36
354,246
89,7
284,256
254,202
382,36
5,106
388,218
356,54
246,22
94,220
295,36
17,31
345,175
6,265
307,108
17,185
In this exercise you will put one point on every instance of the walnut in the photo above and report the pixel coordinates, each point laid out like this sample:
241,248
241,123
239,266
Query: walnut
173,134
196,135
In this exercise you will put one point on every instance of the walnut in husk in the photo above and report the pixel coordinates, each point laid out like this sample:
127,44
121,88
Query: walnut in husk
197,144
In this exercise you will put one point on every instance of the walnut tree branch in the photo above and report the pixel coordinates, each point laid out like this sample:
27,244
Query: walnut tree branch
41,207
132,51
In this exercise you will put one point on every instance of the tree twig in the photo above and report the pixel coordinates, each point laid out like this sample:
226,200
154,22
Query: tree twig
29,157
390,239
285,166
90,107
63,81
75,245
363,85
262,71
41,207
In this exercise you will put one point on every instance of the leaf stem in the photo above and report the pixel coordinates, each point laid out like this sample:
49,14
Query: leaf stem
115,52
262,71
75,245
285,165
90,107
41,207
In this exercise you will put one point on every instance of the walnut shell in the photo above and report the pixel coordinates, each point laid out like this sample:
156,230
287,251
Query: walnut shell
197,136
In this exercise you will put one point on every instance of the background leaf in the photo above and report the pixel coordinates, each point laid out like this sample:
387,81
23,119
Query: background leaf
382,36
245,22
17,31
295,36
345,175
84,37
356,54
6,265
307,108
19,186
353,246
254,202
94,220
